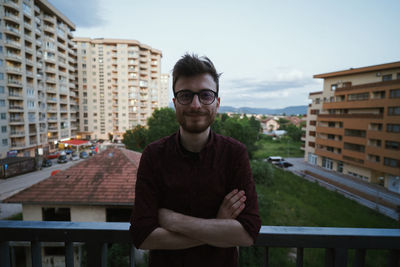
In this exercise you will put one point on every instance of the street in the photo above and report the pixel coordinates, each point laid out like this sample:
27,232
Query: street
13,185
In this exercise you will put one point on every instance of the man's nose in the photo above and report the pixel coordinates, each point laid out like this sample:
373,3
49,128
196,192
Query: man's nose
195,102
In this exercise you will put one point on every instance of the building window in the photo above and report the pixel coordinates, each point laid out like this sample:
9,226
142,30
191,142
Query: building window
392,145
356,133
3,129
391,162
357,97
1,62
2,103
387,77
374,142
4,142
395,93
333,87
31,104
375,126
1,76
3,116
56,214
374,158
1,89
118,215
393,128
354,147
394,111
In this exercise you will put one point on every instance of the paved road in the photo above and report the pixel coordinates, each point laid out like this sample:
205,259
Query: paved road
13,185
376,191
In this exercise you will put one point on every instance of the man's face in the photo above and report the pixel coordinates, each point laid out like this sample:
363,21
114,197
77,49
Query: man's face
196,117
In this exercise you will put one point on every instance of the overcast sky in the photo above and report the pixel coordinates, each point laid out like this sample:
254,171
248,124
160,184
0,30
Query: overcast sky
268,51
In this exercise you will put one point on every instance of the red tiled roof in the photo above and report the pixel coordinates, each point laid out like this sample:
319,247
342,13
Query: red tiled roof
75,142
107,178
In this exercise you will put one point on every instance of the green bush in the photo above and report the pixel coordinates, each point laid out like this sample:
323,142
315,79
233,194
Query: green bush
262,172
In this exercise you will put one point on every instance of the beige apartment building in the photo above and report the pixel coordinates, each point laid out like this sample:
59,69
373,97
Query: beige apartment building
164,92
38,97
120,86
353,124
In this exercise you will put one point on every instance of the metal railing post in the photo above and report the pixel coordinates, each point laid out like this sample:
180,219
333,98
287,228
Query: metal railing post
359,259
299,257
266,259
5,254
132,256
69,254
36,250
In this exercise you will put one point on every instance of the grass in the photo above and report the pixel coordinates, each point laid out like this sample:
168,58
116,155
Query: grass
281,147
288,200
15,217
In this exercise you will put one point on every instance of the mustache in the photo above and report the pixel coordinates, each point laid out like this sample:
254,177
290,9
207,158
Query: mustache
195,112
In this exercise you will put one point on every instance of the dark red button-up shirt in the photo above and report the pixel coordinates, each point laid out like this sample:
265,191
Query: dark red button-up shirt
195,185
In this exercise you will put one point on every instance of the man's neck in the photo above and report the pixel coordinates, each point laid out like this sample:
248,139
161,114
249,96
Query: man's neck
194,142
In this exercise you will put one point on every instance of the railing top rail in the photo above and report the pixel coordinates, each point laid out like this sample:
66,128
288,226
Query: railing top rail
329,231
270,236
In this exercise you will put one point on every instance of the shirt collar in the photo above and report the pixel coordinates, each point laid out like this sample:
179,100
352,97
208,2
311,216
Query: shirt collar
179,147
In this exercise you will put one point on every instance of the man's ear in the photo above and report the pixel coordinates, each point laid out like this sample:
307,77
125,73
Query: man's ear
173,100
218,102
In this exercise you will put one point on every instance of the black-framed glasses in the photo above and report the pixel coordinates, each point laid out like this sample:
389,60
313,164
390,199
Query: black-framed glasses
206,96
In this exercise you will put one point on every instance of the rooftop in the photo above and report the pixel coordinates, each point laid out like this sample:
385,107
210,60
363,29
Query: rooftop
351,71
107,178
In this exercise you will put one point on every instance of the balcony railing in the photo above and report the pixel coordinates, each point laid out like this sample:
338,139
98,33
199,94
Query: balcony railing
336,241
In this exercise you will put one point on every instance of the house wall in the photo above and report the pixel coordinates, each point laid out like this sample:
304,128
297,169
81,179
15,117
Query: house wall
78,213
88,214
31,212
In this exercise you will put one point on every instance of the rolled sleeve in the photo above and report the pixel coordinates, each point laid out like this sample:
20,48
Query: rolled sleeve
144,219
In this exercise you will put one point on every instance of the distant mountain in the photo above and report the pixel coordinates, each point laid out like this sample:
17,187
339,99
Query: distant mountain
293,110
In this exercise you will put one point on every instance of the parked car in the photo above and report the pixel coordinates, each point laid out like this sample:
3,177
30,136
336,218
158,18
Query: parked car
47,163
62,159
68,151
53,155
83,155
284,164
74,156
279,161
274,159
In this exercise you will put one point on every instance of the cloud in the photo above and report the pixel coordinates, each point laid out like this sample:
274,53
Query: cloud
281,90
84,14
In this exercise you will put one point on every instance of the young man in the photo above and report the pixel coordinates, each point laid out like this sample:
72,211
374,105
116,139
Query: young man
195,195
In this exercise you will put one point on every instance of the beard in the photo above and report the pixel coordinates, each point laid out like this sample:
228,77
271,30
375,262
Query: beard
196,122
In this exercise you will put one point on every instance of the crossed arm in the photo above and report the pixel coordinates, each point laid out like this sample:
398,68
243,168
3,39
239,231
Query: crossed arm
179,231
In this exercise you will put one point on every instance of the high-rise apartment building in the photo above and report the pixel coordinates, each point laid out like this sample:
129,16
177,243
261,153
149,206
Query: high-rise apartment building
37,76
119,86
164,97
353,124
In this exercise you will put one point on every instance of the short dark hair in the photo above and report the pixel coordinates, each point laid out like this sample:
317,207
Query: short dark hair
191,65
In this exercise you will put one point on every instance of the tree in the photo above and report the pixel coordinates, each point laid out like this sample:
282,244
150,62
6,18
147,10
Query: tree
244,130
135,139
162,123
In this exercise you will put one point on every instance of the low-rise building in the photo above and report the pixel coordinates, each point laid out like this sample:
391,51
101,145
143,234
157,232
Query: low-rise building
99,189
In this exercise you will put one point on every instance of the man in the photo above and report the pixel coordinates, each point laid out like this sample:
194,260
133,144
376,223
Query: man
195,197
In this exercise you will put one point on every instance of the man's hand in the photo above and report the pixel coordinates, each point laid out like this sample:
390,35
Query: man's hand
232,205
